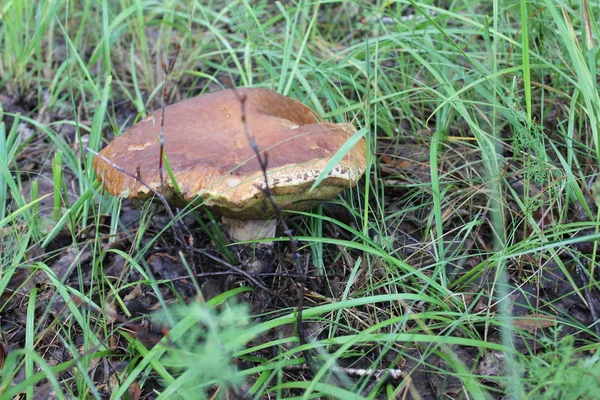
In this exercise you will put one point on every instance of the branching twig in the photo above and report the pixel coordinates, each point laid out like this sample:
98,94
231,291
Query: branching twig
243,274
385,374
250,277
177,228
163,199
137,177
165,94
263,161
168,69
393,374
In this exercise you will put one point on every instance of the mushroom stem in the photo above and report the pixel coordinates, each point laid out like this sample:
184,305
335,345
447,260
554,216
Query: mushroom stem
241,230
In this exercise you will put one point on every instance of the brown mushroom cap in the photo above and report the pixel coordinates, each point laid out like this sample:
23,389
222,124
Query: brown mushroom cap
211,159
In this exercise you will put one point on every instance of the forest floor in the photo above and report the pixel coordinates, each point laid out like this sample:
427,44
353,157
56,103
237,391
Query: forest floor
462,265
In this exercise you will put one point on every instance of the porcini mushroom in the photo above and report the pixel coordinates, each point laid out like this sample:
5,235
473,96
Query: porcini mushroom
211,160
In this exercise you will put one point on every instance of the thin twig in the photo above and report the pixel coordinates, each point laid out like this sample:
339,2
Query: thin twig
245,273
168,69
138,178
165,94
263,161
392,373
250,277
177,228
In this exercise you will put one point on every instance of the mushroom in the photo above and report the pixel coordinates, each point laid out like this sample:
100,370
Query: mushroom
211,160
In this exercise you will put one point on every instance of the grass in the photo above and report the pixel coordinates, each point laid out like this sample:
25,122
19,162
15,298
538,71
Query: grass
476,223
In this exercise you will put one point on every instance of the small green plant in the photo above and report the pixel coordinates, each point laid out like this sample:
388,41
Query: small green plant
203,340
529,139
561,373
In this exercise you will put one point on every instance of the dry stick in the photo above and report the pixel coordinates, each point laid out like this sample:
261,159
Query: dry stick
161,136
168,69
232,268
138,177
263,161
234,272
393,374
385,374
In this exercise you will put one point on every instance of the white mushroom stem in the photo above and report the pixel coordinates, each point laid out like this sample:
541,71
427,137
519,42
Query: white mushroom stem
241,230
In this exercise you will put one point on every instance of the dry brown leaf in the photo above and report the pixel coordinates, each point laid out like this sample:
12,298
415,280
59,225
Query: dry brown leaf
134,391
137,291
534,321
390,162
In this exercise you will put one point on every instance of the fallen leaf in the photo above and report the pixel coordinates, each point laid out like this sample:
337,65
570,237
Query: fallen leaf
137,291
531,322
134,391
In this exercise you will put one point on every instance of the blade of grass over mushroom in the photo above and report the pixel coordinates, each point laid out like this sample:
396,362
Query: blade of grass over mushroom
339,155
176,188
